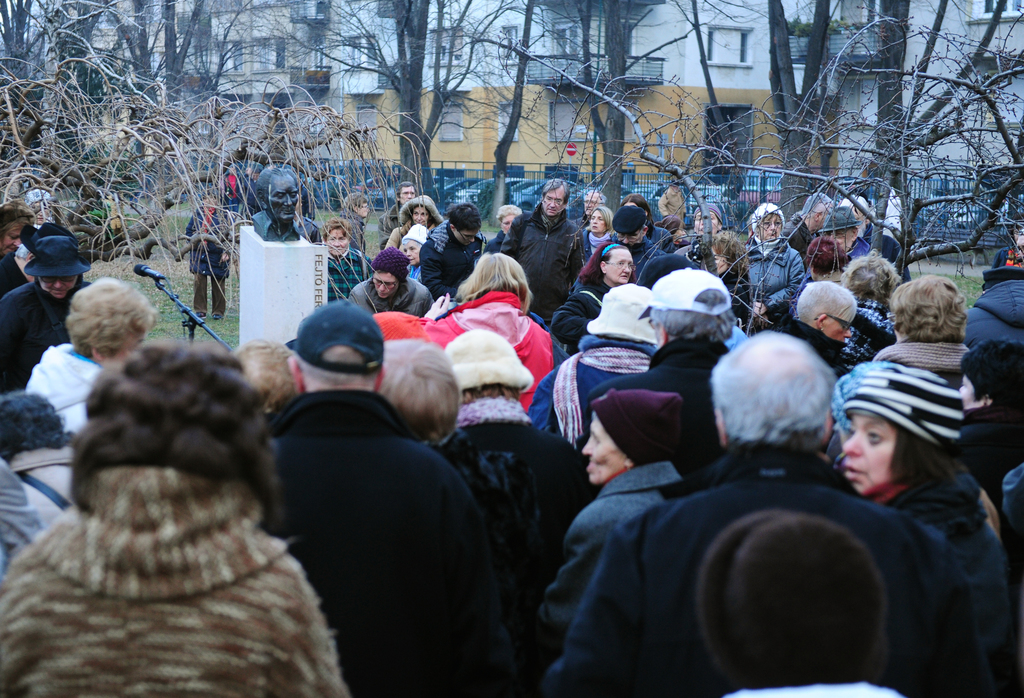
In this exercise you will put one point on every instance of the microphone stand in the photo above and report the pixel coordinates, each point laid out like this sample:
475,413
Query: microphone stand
189,319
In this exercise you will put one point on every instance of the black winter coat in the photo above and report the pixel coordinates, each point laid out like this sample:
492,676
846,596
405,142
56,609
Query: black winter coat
560,476
503,487
552,258
445,262
636,631
208,259
999,312
11,276
26,330
494,246
827,348
395,546
870,333
953,508
990,451
739,289
569,323
682,366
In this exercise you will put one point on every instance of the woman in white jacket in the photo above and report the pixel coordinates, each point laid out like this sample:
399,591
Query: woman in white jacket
107,321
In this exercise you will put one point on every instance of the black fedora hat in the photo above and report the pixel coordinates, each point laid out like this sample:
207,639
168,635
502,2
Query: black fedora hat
30,235
56,255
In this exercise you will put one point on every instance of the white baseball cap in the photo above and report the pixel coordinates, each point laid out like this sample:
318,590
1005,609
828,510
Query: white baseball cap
679,291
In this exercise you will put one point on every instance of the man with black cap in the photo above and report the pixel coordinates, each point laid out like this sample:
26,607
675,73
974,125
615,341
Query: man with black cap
385,528
630,226
32,316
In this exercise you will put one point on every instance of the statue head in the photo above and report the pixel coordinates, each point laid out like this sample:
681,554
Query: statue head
277,192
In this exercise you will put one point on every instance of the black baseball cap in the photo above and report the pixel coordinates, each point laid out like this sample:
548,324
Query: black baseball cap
344,324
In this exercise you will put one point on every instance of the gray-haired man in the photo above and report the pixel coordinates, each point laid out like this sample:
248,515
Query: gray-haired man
549,248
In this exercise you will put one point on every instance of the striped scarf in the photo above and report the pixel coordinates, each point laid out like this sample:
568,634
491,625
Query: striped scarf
565,393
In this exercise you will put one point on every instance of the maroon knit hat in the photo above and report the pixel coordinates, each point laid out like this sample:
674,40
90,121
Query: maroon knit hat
642,423
392,260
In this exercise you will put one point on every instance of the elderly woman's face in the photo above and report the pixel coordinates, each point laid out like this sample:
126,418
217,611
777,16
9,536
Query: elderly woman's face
869,451
770,227
698,223
606,459
506,222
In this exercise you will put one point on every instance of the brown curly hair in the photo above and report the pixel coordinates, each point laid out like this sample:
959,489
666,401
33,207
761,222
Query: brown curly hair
929,309
178,406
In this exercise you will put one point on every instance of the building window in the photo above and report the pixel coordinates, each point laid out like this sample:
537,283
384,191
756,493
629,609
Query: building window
234,57
744,47
711,45
366,116
504,112
562,121
451,44
565,40
264,54
451,123
280,46
510,33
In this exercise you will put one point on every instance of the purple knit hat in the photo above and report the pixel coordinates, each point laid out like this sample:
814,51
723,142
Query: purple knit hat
642,423
392,260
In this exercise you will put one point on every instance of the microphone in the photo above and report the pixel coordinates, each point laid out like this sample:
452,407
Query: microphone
143,270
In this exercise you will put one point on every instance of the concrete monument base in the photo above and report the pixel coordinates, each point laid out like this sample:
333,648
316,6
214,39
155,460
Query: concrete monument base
279,284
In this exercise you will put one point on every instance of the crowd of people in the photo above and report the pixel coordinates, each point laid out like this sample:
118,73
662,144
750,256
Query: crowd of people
583,458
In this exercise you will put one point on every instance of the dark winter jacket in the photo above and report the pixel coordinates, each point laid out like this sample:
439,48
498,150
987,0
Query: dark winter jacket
827,348
682,366
891,250
796,233
739,289
11,275
870,333
494,246
627,495
542,409
560,475
569,323
552,258
27,330
999,312
503,488
636,631
990,450
445,262
388,222
392,541
412,297
775,274
642,252
207,259
953,508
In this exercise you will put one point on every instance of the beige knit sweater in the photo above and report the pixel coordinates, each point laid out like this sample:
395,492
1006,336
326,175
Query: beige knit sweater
167,588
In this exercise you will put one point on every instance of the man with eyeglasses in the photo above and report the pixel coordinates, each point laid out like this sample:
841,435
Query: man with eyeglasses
549,248
32,316
390,288
630,225
824,313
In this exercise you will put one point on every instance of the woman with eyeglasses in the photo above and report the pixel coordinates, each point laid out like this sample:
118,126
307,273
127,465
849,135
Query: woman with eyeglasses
32,316
776,270
390,288
611,265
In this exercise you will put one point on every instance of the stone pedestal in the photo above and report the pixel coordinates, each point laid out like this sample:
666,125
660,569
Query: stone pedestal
279,284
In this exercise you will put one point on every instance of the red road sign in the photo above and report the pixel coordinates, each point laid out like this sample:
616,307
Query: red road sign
570,149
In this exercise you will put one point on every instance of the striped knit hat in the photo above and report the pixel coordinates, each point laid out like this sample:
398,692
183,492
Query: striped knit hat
916,400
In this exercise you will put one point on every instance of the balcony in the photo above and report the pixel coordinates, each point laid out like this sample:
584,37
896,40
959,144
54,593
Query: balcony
645,71
798,49
855,46
310,12
310,78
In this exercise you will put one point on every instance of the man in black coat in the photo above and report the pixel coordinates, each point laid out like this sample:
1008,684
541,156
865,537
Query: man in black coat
636,632
386,530
692,317
451,251
32,316
549,247
999,312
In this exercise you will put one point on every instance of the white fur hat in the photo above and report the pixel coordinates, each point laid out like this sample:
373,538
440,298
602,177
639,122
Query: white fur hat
481,357
620,315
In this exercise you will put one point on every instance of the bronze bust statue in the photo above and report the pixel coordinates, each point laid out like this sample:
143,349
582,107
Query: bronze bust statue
277,193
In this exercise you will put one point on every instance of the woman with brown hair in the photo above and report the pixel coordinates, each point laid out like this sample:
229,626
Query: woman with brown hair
930,321
732,265
418,211
166,569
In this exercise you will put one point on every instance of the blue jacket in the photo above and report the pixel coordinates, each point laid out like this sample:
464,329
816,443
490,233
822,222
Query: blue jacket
643,252
636,631
207,260
445,262
542,409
